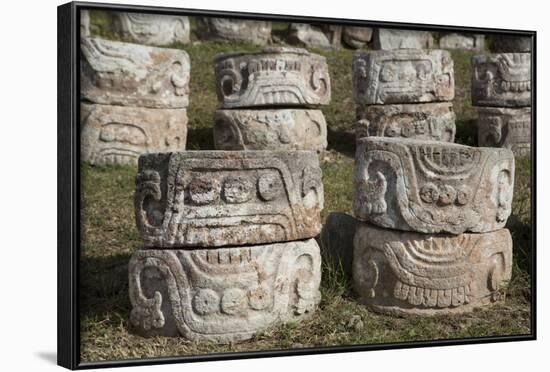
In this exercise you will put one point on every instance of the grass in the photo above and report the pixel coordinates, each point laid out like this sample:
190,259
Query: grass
109,237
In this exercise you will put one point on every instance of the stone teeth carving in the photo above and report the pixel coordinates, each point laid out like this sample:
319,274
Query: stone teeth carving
501,80
125,74
315,36
151,29
511,44
225,294
463,42
119,135
410,273
428,121
402,76
505,127
227,29
274,77
218,198
356,37
387,39
432,187
286,129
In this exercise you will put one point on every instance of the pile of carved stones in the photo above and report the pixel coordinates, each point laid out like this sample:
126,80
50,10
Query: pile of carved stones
134,97
430,235
501,88
229,248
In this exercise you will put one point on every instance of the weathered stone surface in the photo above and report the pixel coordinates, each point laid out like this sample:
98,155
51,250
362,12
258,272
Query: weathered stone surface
274,77
426,121
231,29
356,37
432,187
473,42
511,44
315,36
84,23
387,39
501,80
126,74
119,135
337,239
286,129
223,295
425,274
218,198
505,127
403,76
151,29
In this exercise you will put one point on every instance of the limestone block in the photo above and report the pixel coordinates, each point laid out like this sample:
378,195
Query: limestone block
126,74
511,44
505,127
337,239
404,273
356,37
432,187
151,29
426,121
221,198
274,77
223,295
315,36
119,135
387,39
232,29
403,76
501,80
473,42
286,129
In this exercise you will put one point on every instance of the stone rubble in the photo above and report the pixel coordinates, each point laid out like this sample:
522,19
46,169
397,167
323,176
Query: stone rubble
388,39
474,42
151,29
315,36
231,30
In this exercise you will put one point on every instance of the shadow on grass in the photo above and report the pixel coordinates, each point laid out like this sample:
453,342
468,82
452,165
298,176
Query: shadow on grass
200,139
341,140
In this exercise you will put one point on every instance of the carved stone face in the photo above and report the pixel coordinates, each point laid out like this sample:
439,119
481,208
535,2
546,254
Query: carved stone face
504,127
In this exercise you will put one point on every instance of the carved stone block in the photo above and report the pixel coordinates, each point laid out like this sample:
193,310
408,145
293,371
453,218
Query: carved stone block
231,30
501,80
463,42
119,135
403,76
286,129
424,274
387,39
225,294
315,36
151,29
426,121
356,37
219,198
505,127
432,187
511,44
275,77
126,74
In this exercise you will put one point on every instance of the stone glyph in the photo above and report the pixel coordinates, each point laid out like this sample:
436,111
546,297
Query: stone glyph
428,121
403,76
126,74
151,29
505,127
274,77
223,295
284,129
409,273
119,135
222,198
232,29
432,187
388,39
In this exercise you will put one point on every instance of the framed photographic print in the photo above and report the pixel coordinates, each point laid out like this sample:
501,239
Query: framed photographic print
236,185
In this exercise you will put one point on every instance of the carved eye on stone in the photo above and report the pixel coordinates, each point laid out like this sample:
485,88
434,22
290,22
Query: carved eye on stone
423,71
260,298
234,301
388,74
269,186
392,130
447,195
463,195
230,82
429,193
407,130
179,79
206,301
319,79
203,190
311,186
237,189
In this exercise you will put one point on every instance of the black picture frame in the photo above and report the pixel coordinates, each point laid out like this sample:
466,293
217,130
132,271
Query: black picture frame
68,163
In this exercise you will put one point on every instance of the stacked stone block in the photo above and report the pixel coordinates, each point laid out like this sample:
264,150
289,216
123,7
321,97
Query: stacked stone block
134,100
151,29
234,30
501,88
